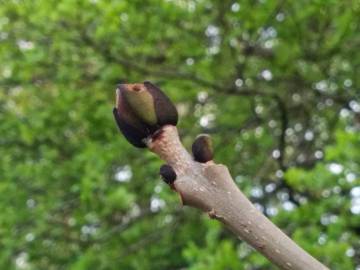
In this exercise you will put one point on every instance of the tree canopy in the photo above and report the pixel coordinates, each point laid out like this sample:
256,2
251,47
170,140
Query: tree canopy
275,83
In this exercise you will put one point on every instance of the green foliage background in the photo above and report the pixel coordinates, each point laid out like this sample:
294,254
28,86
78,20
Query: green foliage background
276,83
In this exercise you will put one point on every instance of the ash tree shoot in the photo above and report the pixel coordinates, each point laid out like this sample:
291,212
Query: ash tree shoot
147,118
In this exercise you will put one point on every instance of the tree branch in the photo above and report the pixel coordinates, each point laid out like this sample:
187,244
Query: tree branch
209,187
147,118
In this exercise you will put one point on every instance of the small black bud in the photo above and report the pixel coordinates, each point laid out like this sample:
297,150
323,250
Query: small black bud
167,174
202,148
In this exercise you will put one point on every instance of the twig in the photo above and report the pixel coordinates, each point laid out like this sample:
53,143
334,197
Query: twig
147,118
209,187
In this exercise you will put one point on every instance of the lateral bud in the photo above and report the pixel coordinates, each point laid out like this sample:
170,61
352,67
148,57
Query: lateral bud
168,174
202,148
141,110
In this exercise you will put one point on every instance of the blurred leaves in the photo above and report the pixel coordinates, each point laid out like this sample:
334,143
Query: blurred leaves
274,82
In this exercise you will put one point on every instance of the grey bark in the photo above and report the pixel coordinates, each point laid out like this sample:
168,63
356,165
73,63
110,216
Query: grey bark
210,187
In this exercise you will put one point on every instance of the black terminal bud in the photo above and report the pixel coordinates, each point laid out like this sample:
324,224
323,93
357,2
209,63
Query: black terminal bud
141,110
202,148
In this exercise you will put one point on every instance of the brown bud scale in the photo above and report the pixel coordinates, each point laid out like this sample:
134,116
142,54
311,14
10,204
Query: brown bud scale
202,148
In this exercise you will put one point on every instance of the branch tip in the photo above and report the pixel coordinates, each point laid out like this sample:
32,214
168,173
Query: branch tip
142,109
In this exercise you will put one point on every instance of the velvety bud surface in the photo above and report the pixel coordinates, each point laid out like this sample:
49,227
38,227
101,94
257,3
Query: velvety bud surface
141,110
167,173
202,148
133,135
166,112
141,103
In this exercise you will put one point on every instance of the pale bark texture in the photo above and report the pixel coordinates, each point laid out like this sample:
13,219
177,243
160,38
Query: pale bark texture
210,187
